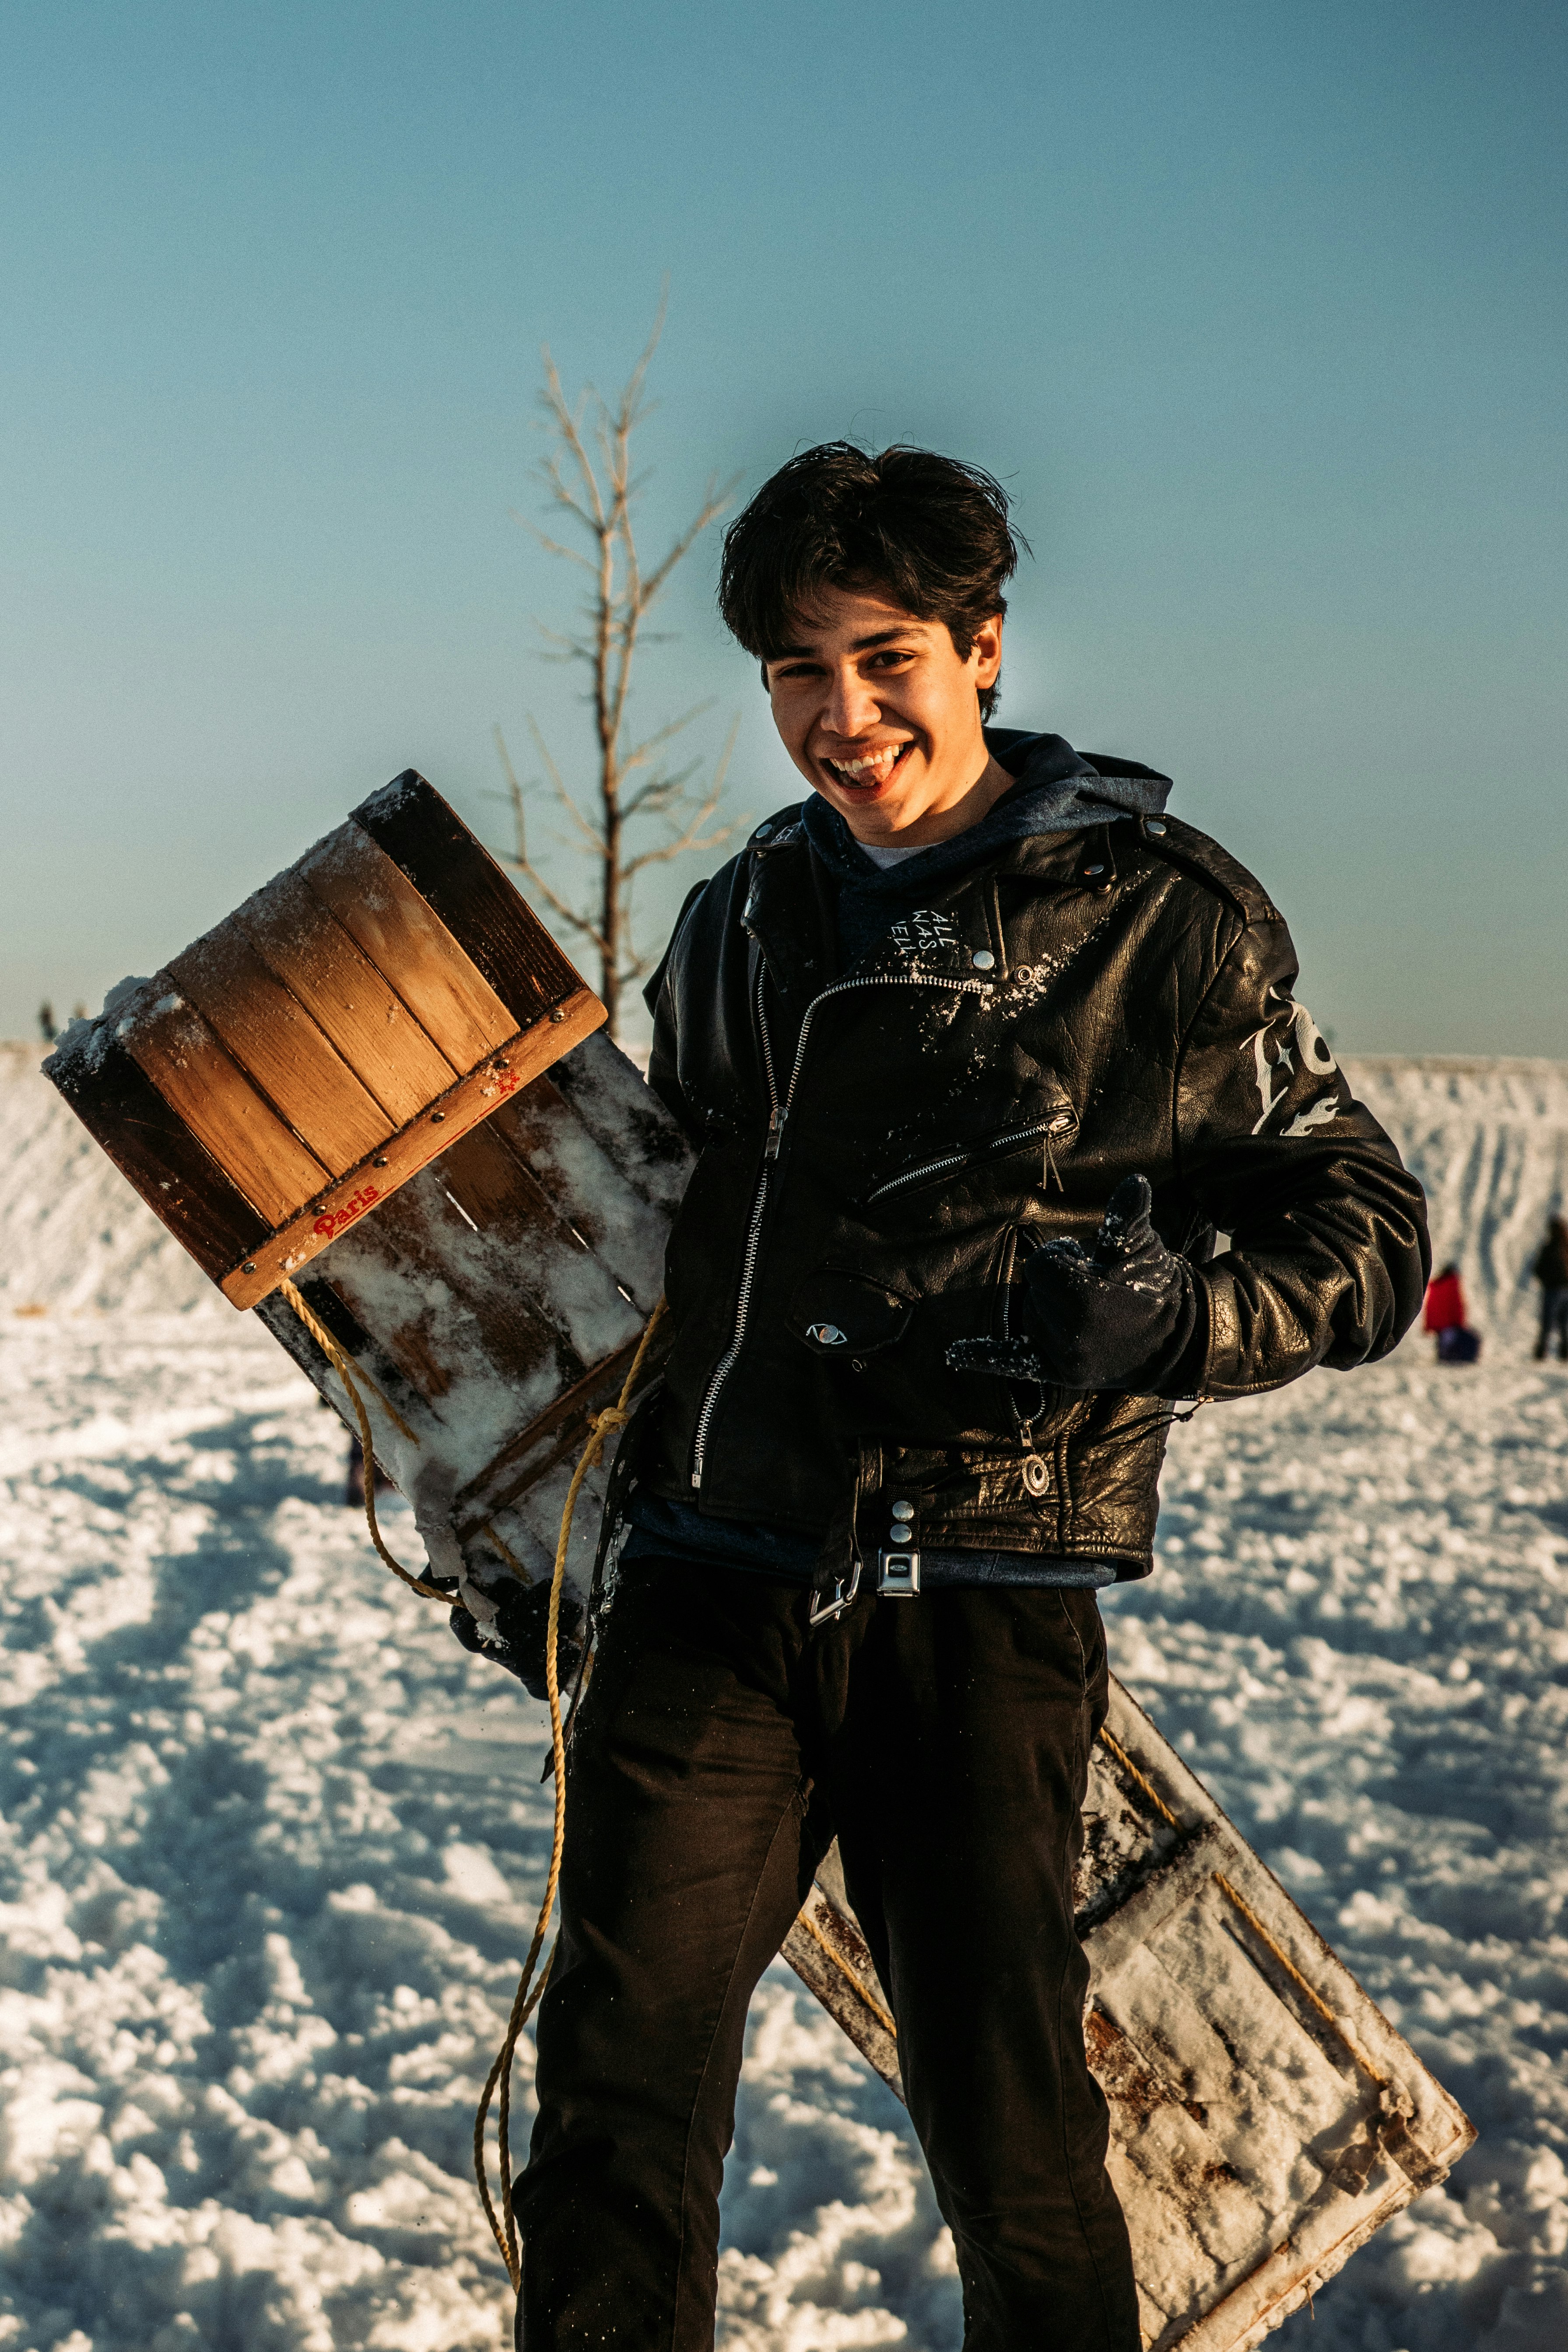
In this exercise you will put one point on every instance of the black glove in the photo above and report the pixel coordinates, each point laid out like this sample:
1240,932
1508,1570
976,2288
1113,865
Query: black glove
516,1640
1125,1317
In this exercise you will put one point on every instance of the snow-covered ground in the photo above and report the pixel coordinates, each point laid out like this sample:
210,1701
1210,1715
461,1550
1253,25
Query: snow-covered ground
270,1841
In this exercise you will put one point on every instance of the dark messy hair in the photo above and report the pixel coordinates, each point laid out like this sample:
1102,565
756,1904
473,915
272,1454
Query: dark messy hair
933,534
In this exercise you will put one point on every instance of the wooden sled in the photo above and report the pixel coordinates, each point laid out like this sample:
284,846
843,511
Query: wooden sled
1265,2117
381,1080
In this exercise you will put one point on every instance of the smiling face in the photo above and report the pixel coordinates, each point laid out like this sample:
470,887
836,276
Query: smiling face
882,718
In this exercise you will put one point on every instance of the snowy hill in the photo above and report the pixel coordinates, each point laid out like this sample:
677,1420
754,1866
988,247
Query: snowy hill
74,1238
1490,1141
1488,1138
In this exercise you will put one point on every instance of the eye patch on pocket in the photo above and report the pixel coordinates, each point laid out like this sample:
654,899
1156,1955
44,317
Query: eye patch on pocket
836,1313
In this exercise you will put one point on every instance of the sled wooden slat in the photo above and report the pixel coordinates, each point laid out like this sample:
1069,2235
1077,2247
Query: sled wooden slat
270,1033
157,1154
411,1149
188,1065
474,1298
345,995
487,1181
832,1957
409,945
453,874
421,1235
585,1184
578,1289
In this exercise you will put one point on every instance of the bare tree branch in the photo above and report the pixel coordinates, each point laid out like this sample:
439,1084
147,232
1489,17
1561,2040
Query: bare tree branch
592,837
590,485
519,857
691,837
636,757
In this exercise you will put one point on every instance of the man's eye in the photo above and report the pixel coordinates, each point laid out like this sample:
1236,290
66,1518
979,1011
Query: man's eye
890,657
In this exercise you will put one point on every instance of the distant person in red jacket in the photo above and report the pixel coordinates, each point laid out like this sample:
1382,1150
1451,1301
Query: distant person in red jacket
1552,1272
1444,1317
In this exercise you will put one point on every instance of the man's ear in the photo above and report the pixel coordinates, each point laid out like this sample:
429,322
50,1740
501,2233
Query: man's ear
987,646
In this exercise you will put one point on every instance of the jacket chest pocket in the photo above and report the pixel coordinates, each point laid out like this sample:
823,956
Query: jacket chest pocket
1045,1122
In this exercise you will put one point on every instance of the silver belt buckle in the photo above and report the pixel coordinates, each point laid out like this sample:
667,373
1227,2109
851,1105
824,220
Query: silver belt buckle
897,1575
836,1598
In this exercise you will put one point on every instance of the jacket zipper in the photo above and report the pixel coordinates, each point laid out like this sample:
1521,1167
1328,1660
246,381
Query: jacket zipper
1058,1122
777,1114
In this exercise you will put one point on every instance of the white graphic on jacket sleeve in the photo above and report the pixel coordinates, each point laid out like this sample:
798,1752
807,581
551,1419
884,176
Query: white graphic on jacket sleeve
1316,1055
1322,1113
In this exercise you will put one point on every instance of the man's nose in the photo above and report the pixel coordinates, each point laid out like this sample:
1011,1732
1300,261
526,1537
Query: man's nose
851,706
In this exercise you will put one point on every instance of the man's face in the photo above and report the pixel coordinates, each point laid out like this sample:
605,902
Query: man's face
882,716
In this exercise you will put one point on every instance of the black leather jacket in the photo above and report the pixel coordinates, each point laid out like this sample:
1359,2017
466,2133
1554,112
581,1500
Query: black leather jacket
881,1146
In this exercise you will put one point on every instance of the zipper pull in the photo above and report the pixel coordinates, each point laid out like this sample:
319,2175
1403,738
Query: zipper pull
1050,1173
775,1132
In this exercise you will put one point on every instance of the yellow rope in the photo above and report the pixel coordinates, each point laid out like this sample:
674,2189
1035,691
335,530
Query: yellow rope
842,1965
504,2230
1253,1921
1147,1786
351,1375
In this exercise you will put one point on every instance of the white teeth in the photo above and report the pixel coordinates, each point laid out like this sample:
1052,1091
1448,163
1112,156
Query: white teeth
871,763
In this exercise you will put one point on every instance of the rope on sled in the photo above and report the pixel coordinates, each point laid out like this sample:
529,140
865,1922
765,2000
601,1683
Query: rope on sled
1372,2073
504,2229
842,1965
1253,1921
351,1374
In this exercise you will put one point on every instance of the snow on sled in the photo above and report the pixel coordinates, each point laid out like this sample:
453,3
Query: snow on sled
378,1086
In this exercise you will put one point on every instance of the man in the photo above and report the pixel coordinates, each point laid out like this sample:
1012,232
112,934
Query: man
977,1049
1551,1271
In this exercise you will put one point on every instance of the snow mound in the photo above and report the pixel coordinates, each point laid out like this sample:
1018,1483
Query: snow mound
1490,1141
74,1237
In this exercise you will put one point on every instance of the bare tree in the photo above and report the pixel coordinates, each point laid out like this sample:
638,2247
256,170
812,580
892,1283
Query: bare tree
588,477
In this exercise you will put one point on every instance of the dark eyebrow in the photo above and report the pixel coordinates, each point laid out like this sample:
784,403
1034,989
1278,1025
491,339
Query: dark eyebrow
857,645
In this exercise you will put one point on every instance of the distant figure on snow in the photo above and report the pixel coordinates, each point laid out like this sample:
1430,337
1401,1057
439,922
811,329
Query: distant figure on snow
1444,1317
1550,1272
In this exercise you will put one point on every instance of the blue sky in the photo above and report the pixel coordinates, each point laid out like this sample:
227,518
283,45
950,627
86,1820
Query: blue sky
1258,312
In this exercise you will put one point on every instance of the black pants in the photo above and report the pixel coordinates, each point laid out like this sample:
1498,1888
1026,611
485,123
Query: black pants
1553,1322
946,1740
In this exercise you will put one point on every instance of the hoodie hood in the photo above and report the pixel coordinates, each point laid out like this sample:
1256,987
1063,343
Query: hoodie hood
1058,790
